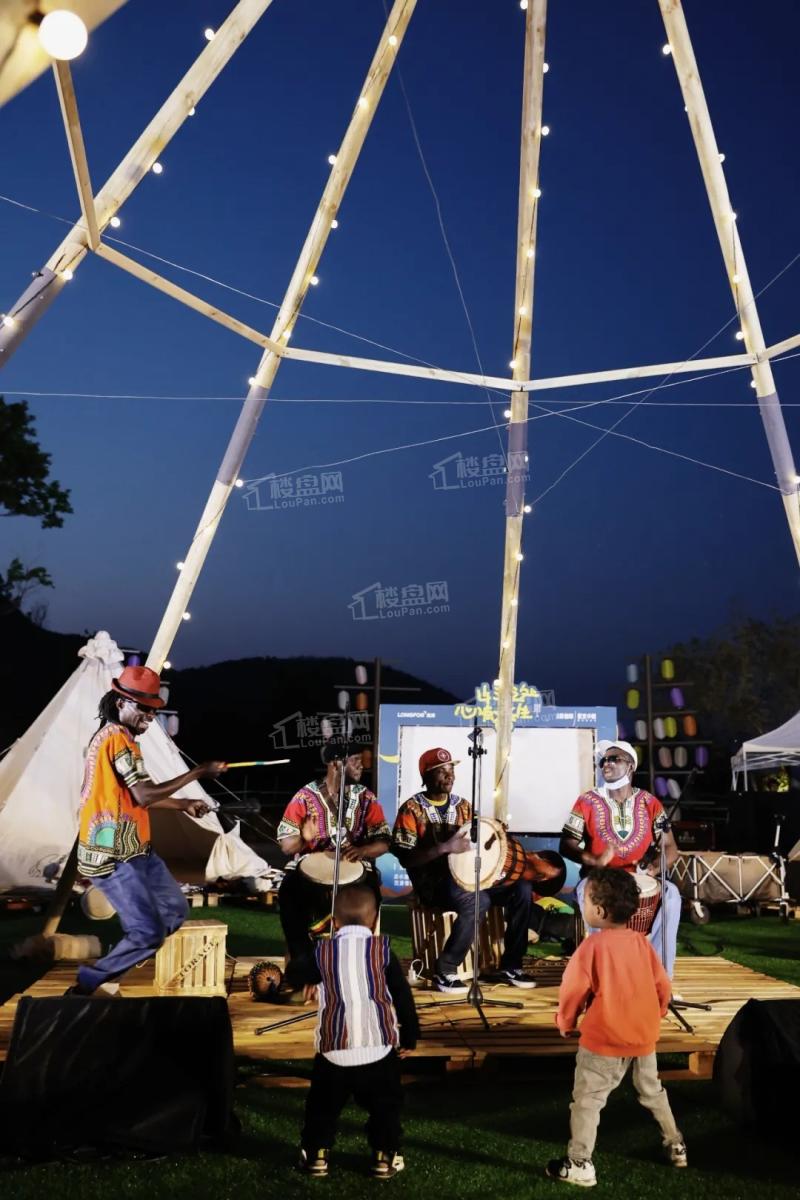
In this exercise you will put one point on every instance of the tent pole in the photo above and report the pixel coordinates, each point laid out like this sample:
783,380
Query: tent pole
736,267
49,281
66,882
517,464
318,234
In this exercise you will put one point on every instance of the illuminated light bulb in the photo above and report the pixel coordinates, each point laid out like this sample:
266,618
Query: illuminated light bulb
497,683
666,49
252,381
363,102
545,130
519,557
332,159
287,333
507,413
8,321
115,222
529,253
392,40
167,665
209,35
180,565
187,616
523,4
513,364
737,279
156,168
685,109
192,111
514,601
796,478
732,215
753,383
334,224
722,158
522,310
314,280
66,274
527,509
239,483
506,644
536,193
545,68
739,335
63,35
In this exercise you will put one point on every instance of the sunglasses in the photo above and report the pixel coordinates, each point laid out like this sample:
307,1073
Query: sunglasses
142,708
611,758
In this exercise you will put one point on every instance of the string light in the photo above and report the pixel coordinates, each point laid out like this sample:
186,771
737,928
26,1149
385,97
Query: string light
287,333
522,310
753,383
252,381
722,158
497,683
334,224
536,193
666,49
209,35
514,601
527,509
187,616
392,40
523,4
156,168
332,159
67,274
9,322
796,478
192,111
529,253
363,102
732,215
739,335
63,35
506,644
314,280
519,557
513,364
115,222
180,565
737,279
167,665
239,483
545,130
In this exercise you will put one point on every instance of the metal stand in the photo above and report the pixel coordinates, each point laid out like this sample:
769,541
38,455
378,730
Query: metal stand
340,811
674,1006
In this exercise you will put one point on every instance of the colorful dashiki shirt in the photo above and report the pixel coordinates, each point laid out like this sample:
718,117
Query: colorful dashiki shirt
629,826
362,817
113,827
421,823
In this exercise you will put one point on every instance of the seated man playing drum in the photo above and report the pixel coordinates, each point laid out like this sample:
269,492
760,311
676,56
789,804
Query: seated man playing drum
308,831
619,825
431,825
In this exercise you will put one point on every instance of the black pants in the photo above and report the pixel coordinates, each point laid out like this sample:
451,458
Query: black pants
301,902
516,901
375,1087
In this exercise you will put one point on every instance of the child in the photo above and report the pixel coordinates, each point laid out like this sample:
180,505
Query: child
366,1010
617,977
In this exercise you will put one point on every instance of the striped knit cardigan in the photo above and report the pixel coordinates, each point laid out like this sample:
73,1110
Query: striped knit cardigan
356,1006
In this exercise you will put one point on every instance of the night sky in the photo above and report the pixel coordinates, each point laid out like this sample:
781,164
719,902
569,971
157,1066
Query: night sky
632,550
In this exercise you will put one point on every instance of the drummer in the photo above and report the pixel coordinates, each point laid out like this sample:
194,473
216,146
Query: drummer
619,825
308,827
431,825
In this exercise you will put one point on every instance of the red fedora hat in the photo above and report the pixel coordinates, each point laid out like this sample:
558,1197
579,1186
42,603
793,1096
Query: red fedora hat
139,684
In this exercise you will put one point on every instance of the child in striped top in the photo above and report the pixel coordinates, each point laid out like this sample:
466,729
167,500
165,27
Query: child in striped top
366,1023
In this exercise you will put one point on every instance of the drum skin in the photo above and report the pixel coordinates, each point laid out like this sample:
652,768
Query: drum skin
319,867
504,860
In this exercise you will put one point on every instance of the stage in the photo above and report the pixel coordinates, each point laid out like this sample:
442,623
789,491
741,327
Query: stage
454,1032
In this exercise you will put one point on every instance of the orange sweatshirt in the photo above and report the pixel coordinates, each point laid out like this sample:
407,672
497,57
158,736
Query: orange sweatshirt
618,975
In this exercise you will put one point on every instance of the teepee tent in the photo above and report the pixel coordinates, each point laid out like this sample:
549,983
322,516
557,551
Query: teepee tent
40,784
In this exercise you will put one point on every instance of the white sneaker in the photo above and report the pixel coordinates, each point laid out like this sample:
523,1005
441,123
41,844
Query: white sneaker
564,1170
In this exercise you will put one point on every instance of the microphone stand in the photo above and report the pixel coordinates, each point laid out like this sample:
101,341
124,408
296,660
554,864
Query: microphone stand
340,810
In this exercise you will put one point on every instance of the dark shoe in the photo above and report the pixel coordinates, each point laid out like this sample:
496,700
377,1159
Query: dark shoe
386,1166
676,1154
314,1163
515,976
564,1170
451,984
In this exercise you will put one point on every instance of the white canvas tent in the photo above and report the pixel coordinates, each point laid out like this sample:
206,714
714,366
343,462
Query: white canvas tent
779,748
40,783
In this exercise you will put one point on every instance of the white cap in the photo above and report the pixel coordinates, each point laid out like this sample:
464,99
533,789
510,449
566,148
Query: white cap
604,746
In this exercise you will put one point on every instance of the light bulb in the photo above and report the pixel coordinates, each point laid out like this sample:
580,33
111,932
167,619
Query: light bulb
334,224
67,274
507,413
115,222
252,381
239,483
63,35
722,158
187,616
737,279
332,159
545,130
497,683
156,168
180,565
666,49
9,322
796,478
392,40
529,252
522,310
209,35
363,102
514,601
527,509
545,68
314,280
536,193
519,557
523,4
192,111
167,666
739,335
287,333
506,644
513,364
732,215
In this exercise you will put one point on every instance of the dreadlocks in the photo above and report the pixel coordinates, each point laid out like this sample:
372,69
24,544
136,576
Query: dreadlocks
108,713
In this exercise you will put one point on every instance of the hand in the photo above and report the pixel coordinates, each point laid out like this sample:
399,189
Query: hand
604,858
401,1053
309,830
353,853
196,808
210,770
310,993
459,843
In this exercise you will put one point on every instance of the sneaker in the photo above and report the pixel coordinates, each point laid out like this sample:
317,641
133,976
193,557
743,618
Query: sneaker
314,1162
385,1166
565,1170
676,1154
516,977
450,984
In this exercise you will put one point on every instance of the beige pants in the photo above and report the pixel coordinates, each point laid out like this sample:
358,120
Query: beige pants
596,1076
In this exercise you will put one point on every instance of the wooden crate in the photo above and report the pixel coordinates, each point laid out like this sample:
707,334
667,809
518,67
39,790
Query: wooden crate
192,960
431,928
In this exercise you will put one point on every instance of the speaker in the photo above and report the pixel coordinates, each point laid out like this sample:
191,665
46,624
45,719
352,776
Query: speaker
150,1075
757,1066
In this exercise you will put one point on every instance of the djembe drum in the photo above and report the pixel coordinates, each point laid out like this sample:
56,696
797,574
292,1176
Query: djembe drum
504,860
649,900
318,869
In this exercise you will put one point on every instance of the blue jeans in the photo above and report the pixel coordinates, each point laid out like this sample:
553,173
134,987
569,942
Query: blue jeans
150,906
515,899
668,911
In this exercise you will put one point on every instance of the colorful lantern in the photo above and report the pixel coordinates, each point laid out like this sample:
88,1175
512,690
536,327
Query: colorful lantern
621,731
689,727
676,696
641,730
173,725
658,728
632,673
632,698
664,757
674,789
681,757
362,701
667,668
701,756
670,727
661,786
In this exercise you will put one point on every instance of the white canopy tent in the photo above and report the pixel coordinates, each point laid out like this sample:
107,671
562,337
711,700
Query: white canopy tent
40,784
779,748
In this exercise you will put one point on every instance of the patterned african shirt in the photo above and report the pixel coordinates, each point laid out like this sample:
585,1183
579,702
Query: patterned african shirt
362,817
113,827
420,824
629,826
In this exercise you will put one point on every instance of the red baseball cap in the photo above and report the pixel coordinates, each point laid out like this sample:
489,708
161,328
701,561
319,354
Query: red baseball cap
139,684
436,758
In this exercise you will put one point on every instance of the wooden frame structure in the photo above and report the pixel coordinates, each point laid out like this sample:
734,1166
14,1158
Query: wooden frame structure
97,212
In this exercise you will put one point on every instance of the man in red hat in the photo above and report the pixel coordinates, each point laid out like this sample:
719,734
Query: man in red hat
431,825
114,839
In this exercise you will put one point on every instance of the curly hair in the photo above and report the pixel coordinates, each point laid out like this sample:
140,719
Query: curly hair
614,891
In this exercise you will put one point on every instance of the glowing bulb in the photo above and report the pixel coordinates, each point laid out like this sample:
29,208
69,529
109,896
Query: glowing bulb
523,4
10,322
314,280
513,364
527,509
545,68
115,222
156,168
507,413
63,35
519,557
239,483
332,159
753,383
187,616
392,40
209,35
722,158
545,130
529,252
739,335
523,310
66,274
252,381
334,224
737,279
287,333
363,102
192,111
666,49
167,665
180,565
796,478
514,601
732,215
497,683
506,644
536,193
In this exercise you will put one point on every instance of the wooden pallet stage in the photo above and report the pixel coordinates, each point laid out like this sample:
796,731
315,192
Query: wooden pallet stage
454,1032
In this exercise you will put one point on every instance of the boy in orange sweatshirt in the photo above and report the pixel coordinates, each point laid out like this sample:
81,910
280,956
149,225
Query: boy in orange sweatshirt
617,979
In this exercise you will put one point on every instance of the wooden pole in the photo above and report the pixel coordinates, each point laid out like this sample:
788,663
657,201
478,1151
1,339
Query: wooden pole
318,234
66,882
69,254
733,255
517,465
77,150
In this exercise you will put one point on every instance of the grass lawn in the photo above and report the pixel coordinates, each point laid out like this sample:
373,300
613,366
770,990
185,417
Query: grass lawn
482,1134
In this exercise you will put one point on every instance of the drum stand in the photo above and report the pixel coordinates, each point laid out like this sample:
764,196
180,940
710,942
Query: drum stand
674,1006
475,996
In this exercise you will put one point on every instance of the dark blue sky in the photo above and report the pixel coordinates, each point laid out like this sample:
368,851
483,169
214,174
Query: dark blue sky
633,549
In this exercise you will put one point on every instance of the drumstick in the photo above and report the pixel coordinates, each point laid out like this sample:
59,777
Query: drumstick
259,762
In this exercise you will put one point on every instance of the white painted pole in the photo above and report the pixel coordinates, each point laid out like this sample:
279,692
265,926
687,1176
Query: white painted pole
735,265
77,149
243,433
532,95
48,282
